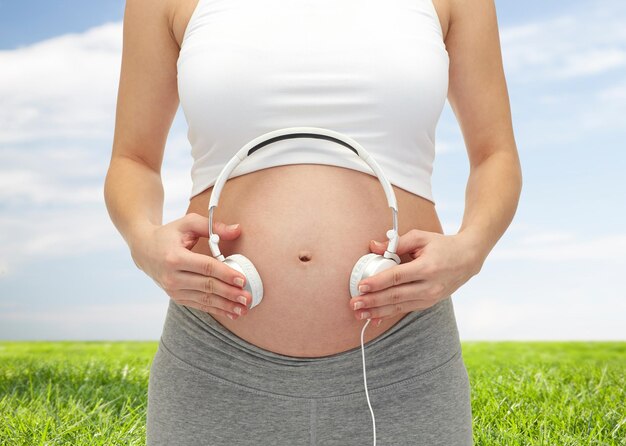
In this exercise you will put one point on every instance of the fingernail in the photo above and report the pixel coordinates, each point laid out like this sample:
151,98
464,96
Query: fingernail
365,315
377,243
231,316
364,288
237,310
379,322
238,281
242,300
235,226
358,305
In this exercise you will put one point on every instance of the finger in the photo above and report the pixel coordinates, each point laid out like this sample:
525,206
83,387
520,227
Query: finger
408,242
370,313
211,285
226,232
394,295
199,225
399,295
195,223
207,266
209,303
376,321
387,311
396,275
399,299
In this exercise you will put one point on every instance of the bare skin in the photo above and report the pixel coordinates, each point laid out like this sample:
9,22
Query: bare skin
305,254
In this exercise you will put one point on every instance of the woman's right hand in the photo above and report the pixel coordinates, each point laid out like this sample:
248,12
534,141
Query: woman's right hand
192,279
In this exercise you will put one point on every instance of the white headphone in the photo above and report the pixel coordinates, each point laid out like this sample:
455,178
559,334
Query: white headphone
368,265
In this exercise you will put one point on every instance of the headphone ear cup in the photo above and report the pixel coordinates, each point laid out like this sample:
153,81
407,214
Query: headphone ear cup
367,266
357,272
254,284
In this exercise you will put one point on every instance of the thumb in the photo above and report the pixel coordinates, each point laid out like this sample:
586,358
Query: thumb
199,225
409,242
226,232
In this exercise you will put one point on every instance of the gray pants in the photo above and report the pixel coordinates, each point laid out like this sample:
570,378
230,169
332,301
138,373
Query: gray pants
209,387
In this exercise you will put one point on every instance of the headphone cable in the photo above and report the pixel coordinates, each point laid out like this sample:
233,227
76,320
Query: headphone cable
365,381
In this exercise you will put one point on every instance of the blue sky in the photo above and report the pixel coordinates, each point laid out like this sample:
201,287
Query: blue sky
557,273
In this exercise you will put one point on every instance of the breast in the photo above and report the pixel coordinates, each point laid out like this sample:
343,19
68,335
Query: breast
375,71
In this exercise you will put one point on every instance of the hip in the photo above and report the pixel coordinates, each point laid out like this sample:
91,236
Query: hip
416,345
208,386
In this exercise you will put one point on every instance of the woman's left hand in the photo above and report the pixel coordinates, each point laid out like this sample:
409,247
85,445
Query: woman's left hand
442,263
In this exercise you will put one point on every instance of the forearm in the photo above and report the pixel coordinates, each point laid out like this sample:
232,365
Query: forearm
133,194
491,199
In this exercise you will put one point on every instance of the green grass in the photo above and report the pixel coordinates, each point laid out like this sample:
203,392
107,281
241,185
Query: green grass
523,393
547,393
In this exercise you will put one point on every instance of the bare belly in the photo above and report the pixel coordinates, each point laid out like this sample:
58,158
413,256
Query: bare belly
325,215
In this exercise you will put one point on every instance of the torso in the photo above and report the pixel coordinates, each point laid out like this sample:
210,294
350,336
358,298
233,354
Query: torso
325,213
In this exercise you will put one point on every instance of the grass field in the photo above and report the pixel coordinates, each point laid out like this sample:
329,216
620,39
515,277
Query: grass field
523,393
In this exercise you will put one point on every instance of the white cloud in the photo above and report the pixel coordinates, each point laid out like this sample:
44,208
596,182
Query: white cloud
40,234
593,61
547,237
606,108
58,100
554,246
547,284
577,44
445,146
63,87
56,129
20,185
612,92
561,317
4,268
565,75
86,322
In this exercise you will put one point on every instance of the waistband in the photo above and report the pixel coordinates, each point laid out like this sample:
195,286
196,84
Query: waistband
417,344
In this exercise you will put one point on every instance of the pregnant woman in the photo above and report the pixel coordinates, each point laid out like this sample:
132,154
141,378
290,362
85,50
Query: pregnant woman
289,370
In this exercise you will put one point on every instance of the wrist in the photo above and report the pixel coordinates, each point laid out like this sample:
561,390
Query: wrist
138,233
475,247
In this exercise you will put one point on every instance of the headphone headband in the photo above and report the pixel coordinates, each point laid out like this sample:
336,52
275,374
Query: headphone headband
303,132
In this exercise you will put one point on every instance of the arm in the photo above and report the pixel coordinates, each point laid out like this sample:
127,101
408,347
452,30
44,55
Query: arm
478,96
146,104
479,99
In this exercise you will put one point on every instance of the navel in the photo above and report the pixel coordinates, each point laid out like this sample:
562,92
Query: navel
305,256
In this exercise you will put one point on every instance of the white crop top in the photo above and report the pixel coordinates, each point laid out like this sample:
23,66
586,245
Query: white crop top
374,70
